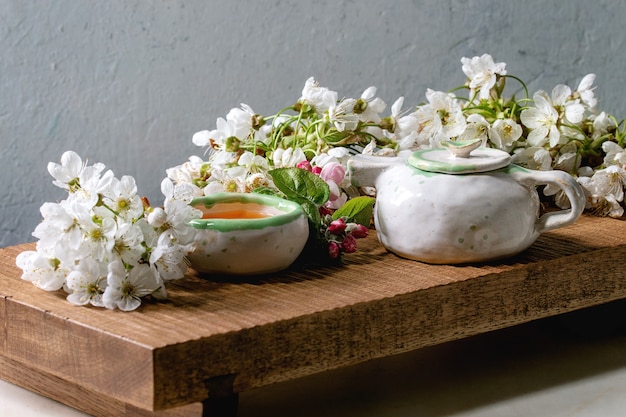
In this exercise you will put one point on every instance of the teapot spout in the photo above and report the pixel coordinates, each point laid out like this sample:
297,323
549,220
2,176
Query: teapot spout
364,170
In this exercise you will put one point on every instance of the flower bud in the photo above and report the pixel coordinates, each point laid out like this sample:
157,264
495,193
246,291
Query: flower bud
231,144
257,121
349,244
157,217
305,165
325,211
336,227
333,250
358,231
333,171
388,123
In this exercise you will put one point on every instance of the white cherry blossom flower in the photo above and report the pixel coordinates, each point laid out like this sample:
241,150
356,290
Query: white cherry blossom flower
533,158
257,180
602,124
87,283
237,125
402,124
368,107
504,133
609,206
241,119
605,191
91,186
542,121
568,159
178,213
121,196
320,98
126,288
169,257
253,163
102,225
194,168
128,242
286,158
98,235
182,191
476,128
228,180
68,172
371,149
408,142
341,115
44,272
585,91
58,227
482,72
571,110
340,155
614,154
441,119
610,181
560,198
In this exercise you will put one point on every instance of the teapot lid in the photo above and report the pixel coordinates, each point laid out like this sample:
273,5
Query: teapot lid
447,161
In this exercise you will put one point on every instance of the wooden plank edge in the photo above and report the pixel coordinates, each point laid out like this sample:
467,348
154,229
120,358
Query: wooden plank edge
26,325
81,398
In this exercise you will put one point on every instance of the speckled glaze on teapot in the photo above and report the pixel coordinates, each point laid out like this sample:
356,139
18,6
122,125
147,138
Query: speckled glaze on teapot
463,206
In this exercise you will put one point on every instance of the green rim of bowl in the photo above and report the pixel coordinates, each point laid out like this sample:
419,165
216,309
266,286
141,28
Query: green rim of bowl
291,211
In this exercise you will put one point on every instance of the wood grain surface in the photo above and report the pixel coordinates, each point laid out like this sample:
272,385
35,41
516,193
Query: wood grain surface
219,335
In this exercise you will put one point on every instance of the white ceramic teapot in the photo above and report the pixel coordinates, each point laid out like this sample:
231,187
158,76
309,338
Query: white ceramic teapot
452,206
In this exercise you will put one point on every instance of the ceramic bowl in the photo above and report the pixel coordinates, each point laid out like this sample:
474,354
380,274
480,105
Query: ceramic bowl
247,233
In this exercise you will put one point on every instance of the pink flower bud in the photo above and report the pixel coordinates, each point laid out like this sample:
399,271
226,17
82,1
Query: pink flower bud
305,165
317,170
359,231
337,227
325,211
334,172
333,250
349,244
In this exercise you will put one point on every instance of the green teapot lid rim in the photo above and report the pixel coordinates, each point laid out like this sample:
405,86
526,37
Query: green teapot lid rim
443,161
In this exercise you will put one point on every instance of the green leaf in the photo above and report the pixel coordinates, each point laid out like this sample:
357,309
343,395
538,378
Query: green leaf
300,185
358,210
312,211
336,137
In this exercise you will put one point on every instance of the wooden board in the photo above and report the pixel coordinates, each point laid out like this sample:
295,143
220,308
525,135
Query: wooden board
218,336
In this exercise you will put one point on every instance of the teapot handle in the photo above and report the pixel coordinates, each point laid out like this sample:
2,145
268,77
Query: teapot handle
567,184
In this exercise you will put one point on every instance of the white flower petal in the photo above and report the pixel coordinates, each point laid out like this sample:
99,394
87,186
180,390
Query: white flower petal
560,93
201,138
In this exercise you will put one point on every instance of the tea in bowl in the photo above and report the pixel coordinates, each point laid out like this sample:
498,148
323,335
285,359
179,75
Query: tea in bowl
247,233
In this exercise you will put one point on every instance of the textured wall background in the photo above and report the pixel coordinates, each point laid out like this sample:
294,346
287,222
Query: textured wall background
127,83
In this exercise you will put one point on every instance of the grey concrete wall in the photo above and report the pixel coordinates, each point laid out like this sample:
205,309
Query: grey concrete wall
127,83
